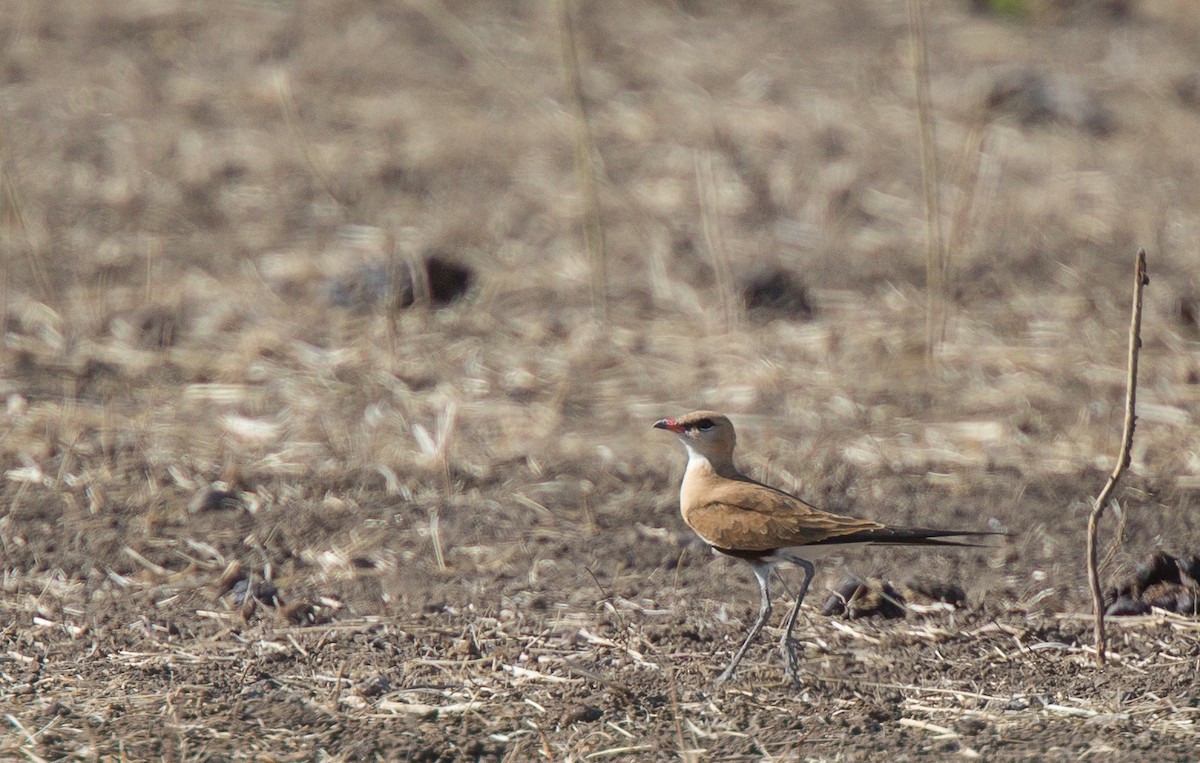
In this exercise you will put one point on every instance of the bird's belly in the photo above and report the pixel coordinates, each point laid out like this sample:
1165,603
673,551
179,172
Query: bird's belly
776,555
811,553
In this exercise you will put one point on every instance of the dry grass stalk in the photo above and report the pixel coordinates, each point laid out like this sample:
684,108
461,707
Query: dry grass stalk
437,449
1118,538
287,107
435,534
714,238
585,164
446,431
13,216
1135,344
968,183
686,753
935,256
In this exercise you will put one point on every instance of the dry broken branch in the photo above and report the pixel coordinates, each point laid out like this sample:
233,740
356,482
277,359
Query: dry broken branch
1135,344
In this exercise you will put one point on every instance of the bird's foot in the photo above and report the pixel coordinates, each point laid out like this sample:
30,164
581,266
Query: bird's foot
791,663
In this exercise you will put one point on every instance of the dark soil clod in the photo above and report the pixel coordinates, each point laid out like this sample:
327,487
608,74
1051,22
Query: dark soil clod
777,293
580,714
436,280
934,591
857,598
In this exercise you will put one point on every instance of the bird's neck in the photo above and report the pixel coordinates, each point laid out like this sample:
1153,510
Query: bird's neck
700,466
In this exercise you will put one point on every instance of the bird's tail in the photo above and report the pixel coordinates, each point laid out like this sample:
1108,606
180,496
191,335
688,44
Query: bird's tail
911,536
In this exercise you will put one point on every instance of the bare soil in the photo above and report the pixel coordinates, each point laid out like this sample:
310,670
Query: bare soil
257,506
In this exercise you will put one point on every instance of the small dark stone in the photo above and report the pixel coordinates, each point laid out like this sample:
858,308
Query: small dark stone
214,498
262,591
1159,567
435,280
374,686
935,591
464,647
1189,569
268,594
841,594
857,598
299,613
474,749
159,327
448,280
878,598
1188,602
580,714
777,293
1163,595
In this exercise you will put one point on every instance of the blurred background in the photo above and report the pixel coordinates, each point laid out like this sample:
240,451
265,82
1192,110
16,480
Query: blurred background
333,333
389,294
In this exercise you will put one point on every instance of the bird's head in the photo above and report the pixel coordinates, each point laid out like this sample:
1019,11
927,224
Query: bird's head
705,433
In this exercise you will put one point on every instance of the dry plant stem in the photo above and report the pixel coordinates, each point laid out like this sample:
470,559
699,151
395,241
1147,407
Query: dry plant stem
674,694
1118,538
287,106
714,240
12,215
585,169
967,184
4,303
435,535
1135,344
934,254
446,426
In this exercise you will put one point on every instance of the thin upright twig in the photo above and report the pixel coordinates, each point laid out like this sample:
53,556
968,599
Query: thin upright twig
1135,345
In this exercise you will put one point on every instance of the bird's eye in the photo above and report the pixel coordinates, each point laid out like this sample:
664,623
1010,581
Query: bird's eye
704,425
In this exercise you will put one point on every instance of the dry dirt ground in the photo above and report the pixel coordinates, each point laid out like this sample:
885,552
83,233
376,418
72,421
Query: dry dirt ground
459,530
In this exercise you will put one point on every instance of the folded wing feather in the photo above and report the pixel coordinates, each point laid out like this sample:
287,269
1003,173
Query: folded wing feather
750,516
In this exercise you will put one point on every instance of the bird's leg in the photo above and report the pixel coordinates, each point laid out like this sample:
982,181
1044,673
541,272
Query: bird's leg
786,644
762,573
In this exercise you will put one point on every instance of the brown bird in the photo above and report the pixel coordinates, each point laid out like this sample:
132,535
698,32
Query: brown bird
743,518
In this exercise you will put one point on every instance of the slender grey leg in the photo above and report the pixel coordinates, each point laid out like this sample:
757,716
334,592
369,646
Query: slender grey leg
762,572
786,644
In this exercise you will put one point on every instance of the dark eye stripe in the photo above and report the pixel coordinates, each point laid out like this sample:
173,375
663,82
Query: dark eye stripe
704,424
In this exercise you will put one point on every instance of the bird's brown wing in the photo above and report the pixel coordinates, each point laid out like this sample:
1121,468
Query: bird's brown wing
749,516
